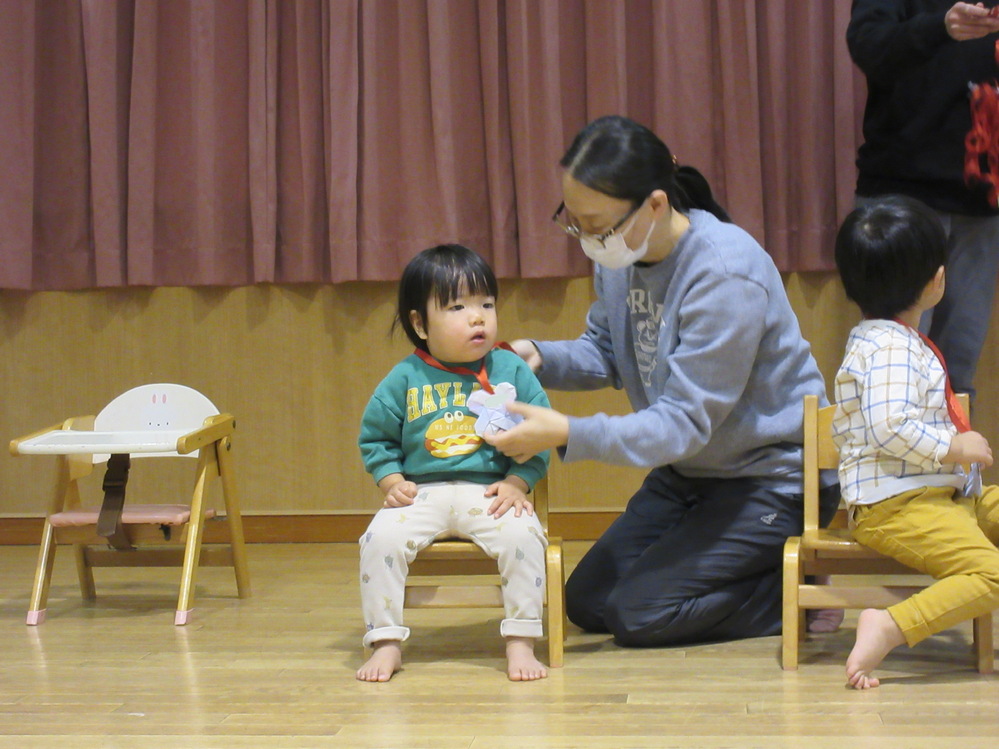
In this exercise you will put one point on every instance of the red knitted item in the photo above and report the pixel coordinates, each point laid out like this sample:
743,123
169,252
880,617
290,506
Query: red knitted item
981,144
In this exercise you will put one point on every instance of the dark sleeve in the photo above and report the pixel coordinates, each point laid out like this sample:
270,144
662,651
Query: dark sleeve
886,40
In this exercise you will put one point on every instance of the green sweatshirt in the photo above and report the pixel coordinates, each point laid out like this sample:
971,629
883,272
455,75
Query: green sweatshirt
417,423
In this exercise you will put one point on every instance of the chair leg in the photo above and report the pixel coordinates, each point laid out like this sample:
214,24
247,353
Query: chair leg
984,650
43,576
192,549
85,572
792,620
67,495
555,576
233,517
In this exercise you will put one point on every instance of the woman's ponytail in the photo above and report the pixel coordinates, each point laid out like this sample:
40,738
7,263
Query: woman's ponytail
696,193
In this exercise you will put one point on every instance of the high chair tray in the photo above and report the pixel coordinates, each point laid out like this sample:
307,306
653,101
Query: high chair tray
72,441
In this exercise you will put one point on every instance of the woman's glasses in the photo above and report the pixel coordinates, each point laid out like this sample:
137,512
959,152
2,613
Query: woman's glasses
567,222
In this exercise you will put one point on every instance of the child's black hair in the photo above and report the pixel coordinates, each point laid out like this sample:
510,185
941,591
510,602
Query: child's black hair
443,272
886,253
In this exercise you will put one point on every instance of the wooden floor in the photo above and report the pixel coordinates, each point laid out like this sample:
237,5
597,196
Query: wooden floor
277,670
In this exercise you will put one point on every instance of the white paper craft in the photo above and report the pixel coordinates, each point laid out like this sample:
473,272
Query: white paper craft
973,483
491,409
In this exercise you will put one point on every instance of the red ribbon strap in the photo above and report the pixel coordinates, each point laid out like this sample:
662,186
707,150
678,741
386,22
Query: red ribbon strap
481,375
957,414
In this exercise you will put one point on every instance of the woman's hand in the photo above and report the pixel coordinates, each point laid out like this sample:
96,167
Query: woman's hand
509,492
542,429
527,351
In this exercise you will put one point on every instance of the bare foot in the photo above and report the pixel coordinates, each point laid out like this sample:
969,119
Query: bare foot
383,663
521,665
824,620
877,635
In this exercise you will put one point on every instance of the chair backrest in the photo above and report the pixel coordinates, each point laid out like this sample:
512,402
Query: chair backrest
539,498
821,453
160,407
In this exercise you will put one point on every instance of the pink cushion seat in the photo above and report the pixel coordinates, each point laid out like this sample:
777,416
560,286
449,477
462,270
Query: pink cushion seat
130,515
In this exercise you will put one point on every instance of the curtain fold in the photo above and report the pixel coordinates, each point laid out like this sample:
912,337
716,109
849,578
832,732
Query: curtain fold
17,144
259,141
262,141
107,47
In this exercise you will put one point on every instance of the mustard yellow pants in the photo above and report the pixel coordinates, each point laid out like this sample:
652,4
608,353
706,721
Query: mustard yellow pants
952,539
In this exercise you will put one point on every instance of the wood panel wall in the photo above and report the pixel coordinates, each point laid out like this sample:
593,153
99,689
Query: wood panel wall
296,365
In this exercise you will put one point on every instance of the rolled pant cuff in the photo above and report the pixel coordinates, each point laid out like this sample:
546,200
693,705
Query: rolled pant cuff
914,628
521,628
386,633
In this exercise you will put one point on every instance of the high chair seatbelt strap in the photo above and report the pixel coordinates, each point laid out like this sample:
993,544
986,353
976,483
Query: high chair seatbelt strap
109,521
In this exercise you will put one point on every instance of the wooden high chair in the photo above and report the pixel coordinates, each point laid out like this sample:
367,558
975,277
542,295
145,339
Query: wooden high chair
150,421
456,558
832,551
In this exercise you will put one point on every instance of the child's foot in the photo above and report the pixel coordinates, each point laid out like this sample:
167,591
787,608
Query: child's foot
521,665
877,635
383,663
824,620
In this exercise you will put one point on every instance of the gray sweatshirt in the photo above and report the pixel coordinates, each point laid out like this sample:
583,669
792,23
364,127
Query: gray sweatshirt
709,351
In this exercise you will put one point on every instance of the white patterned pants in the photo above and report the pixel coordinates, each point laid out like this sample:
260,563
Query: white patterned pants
455,509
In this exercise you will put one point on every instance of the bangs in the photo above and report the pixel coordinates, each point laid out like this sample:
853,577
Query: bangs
451,280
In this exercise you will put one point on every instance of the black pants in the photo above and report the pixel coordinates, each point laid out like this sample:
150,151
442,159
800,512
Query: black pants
689,560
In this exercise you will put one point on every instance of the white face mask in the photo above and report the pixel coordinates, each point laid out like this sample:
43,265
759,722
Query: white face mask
614,252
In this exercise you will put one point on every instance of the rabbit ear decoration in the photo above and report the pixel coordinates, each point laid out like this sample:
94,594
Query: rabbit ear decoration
491,409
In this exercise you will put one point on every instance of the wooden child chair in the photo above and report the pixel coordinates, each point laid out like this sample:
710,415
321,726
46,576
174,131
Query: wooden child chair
832,551
436,567
150,421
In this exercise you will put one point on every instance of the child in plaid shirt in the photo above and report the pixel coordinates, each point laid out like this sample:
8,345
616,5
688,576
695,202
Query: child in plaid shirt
902,438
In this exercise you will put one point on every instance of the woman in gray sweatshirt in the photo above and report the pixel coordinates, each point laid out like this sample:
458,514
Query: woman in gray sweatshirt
692,320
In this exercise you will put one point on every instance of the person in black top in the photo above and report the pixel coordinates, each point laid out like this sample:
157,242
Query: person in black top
921,58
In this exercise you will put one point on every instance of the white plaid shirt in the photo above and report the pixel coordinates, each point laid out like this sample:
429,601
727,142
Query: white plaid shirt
891,423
